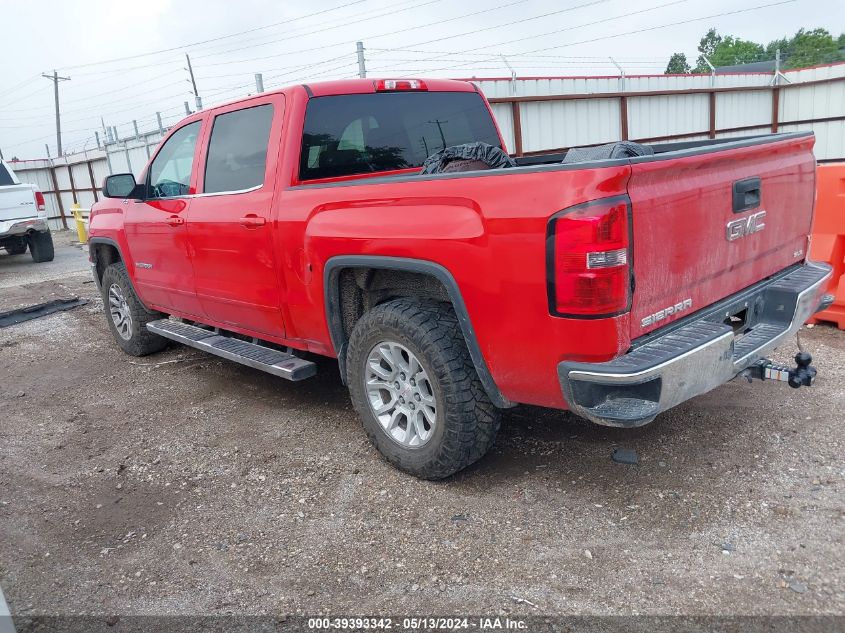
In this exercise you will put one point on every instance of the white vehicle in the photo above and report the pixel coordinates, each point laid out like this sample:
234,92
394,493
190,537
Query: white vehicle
23,218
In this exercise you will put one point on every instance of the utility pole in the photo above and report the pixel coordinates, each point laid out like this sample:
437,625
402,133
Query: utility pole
194,83
439,123
56,79
259,82
362,67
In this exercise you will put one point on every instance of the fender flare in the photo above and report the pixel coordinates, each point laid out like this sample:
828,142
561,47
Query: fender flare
331,289
110,242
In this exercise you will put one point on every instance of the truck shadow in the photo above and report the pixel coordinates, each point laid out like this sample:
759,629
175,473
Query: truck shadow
706,433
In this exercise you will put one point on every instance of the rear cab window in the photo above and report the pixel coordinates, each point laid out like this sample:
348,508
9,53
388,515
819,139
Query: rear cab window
346,135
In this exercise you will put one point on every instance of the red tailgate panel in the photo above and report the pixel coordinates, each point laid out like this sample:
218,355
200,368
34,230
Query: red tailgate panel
681,208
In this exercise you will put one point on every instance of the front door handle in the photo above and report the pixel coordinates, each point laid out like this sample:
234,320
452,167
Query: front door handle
252,221
175,220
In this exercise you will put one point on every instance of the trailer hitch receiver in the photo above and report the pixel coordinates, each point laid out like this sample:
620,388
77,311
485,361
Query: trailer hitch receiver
802,375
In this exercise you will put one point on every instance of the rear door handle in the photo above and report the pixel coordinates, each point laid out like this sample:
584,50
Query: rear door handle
252,221
175,220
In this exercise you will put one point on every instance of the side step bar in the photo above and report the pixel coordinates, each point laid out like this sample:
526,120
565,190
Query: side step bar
257,356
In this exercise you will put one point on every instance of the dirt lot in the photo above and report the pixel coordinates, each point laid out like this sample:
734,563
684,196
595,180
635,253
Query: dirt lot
183,484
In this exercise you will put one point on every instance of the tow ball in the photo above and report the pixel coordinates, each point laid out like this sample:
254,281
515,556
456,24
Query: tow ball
802,375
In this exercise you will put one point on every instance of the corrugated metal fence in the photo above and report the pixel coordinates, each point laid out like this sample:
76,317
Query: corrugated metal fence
77,178
543,114
64,181
540,114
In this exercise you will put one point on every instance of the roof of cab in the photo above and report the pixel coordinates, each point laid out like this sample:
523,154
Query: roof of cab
342,87
365,86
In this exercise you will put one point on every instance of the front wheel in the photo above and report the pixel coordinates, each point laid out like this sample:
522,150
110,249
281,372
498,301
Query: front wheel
126,315
416,390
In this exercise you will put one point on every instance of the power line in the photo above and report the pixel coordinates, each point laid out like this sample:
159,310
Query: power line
528,19
209,51
636,31
663,26
390,33
25,82
554,32
336,44
303,67
213,39
425,52
40,88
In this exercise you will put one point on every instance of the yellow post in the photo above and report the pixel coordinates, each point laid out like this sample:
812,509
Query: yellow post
80,223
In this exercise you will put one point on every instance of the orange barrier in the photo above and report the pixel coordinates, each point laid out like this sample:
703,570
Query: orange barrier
828,241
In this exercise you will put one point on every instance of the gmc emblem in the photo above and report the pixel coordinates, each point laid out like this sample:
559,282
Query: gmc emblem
745,226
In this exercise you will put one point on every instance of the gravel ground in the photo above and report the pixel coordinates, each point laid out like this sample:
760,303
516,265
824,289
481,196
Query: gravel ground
183,484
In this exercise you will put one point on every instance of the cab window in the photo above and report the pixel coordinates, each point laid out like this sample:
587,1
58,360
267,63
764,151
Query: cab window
237,151
170,172
365,133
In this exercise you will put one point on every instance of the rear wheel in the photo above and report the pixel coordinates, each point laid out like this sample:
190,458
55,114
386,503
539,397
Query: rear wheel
416,390
41,246
126,315
15,245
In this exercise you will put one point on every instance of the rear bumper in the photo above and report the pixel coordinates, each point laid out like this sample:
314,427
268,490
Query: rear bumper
697,354
18,227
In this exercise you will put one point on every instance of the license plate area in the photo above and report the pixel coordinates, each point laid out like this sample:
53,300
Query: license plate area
741,316
737,321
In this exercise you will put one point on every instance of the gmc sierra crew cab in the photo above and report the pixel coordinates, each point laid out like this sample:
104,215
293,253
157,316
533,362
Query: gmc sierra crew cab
298,222
23,218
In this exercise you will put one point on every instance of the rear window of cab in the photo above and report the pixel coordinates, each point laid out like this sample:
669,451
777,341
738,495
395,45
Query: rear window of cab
346,135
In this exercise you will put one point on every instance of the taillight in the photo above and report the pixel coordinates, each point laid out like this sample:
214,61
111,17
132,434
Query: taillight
39,201
588,259
384,85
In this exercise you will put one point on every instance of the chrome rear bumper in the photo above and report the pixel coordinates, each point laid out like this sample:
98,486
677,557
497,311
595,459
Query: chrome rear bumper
695,355
16,228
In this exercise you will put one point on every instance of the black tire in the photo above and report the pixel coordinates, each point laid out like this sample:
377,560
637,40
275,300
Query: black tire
15,245
466,421
139,341
41,246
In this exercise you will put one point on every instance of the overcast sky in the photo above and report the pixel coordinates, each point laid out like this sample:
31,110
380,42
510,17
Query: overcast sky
110,48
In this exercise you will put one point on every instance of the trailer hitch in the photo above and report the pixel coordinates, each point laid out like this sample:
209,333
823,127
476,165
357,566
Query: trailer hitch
802,375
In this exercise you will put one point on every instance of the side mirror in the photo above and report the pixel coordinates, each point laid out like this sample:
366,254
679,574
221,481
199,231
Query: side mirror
119,186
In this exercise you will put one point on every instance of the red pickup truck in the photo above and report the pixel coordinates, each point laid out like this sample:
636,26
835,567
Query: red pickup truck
297,222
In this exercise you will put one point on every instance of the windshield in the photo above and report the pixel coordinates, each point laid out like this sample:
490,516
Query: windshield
5,176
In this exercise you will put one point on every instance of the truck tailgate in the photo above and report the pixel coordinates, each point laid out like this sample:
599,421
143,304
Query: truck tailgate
696,241
16,202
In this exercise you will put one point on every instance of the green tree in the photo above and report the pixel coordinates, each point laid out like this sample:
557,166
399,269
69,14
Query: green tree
706,47
809,48
774,46
678,65
733,50
805,48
